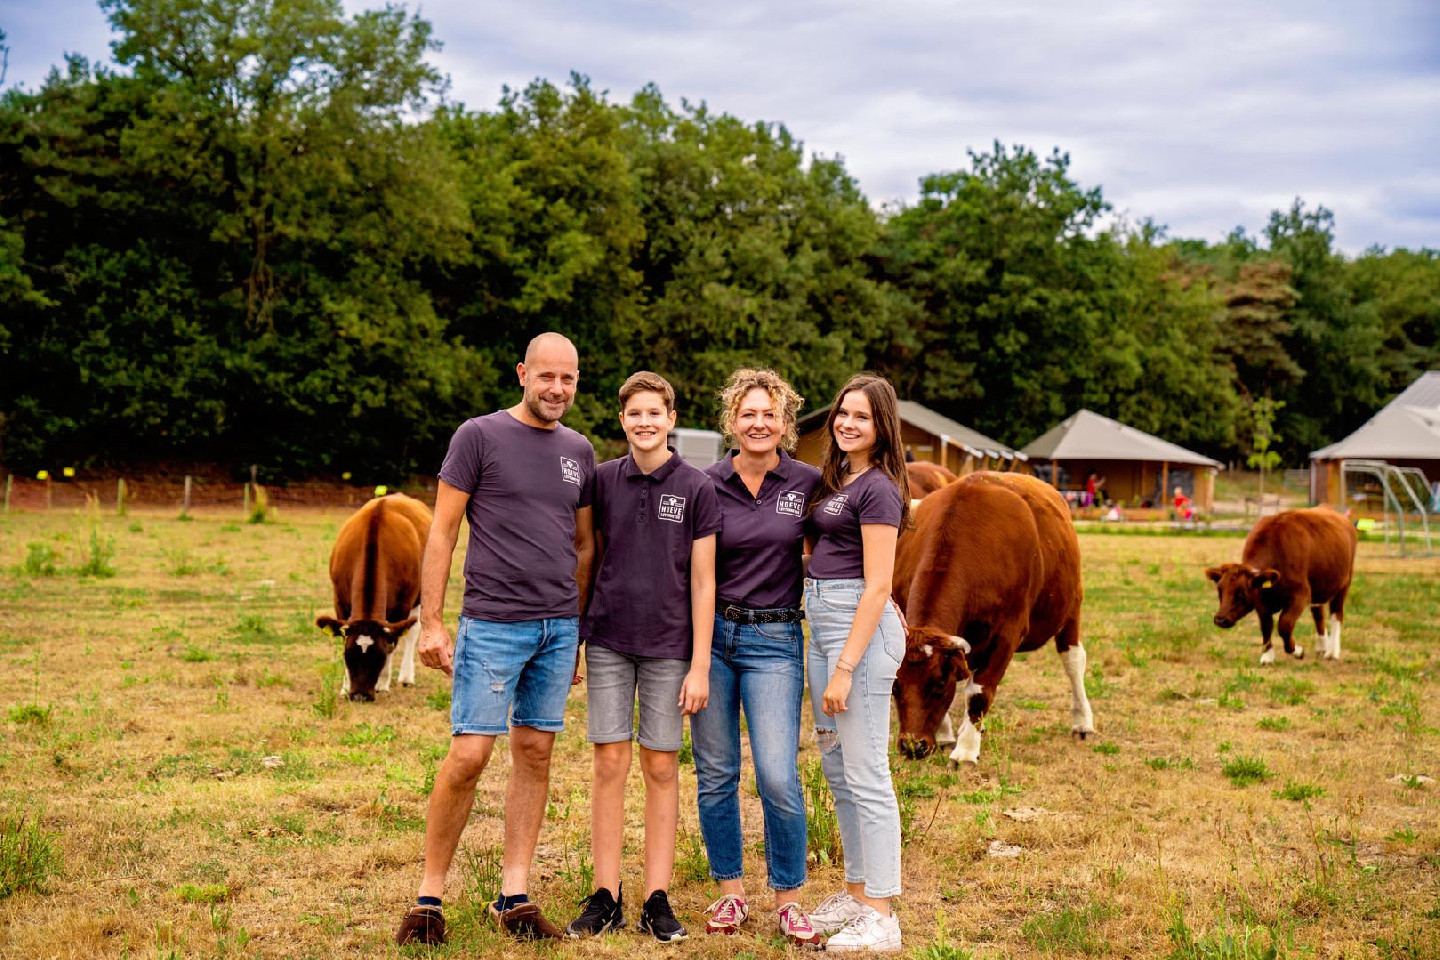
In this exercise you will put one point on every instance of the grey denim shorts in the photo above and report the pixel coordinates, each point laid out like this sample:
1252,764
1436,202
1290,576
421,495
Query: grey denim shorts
613,680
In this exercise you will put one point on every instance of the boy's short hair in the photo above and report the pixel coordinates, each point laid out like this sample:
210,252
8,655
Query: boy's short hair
642,381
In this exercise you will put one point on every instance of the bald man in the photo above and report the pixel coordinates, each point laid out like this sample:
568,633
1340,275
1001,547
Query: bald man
524,482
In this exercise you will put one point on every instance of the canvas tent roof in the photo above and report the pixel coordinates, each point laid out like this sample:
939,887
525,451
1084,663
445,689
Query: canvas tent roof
928,420
1089,436
1407,428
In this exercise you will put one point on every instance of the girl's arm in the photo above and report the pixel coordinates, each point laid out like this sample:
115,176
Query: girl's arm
878,541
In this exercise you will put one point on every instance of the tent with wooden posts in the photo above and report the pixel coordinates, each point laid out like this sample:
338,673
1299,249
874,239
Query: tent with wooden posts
1135,467
927,436
1404,433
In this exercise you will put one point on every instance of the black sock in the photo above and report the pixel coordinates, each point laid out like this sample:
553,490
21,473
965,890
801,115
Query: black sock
503,903
428,901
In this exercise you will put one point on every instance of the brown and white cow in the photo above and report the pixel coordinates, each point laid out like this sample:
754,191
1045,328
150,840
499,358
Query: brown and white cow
991,568
926,478
1293,560
375,570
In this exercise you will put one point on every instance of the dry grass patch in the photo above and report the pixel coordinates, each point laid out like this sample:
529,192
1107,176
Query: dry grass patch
173,734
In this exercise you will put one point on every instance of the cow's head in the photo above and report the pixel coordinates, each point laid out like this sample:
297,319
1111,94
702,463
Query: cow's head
1242,588
925,684
368,645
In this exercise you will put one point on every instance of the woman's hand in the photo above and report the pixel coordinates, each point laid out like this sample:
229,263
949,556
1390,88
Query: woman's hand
837,691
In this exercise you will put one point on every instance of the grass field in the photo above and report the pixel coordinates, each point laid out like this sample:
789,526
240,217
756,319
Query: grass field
178,779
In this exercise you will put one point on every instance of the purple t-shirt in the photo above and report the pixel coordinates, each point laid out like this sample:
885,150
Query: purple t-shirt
649,523
525,484
835,523
757,562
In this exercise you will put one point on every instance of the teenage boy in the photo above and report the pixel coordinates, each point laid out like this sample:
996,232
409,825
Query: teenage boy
647,632
524,482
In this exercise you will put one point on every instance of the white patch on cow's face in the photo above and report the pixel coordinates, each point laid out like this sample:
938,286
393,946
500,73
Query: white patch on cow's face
364,643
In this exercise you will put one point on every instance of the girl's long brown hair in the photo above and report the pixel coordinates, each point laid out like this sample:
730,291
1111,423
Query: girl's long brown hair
888,454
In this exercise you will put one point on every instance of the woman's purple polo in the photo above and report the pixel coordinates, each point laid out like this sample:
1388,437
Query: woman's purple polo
525,484
648,525
757,563
835,524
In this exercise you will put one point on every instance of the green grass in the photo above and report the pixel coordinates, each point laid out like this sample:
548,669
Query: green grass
207,893
1294,790
1070,930
1244,771
28,858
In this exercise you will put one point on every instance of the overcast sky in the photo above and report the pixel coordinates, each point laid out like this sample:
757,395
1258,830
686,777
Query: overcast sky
1200,114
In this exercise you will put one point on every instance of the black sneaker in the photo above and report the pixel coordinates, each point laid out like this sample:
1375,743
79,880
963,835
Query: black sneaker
658,920
602,913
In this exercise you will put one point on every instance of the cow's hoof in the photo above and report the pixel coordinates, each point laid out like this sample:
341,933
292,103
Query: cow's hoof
1081,735
1267,658
1299,653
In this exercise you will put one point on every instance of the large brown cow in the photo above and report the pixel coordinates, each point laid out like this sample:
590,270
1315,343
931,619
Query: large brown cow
375,570
926,478
1294,560
991,568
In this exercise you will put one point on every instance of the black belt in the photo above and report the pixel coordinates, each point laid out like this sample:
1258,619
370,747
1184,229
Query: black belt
775,615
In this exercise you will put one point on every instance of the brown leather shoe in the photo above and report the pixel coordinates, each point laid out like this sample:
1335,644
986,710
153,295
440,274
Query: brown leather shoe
526,922
421,924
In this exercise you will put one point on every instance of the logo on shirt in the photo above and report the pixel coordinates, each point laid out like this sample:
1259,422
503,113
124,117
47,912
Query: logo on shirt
836,503
570,471
671,508
791,502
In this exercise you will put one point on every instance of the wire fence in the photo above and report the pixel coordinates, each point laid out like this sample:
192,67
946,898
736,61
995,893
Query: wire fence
188,494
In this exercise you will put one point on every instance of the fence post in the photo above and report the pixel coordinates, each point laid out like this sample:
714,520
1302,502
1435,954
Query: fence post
245,510
185,507
9,482
120,508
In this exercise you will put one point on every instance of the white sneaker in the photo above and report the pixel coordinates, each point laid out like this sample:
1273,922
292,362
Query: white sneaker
835,911
868,931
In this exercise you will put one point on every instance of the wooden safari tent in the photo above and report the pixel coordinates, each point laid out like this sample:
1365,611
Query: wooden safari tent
1404,433
1137,468
928,436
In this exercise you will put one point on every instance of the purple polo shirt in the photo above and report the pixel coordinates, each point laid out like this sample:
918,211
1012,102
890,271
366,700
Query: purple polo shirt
649,523
835,523
757,563
525,484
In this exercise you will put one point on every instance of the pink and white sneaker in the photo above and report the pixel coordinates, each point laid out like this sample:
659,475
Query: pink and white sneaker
796,927
726,914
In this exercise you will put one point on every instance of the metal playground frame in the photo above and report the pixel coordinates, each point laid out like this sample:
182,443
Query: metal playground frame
1404,494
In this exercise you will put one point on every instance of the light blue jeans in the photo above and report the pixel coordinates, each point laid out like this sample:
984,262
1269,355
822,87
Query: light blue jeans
855,744
757,668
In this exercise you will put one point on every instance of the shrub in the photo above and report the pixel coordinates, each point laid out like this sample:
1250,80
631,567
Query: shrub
39,560
1243,771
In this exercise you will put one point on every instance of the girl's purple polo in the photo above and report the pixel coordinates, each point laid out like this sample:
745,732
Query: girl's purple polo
757,563
835,524
525,484
648,524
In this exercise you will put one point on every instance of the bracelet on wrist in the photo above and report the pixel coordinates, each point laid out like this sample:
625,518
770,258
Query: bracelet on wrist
846,666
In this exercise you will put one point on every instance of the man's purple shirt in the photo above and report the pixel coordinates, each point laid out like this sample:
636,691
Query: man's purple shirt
757,563
648,525
835,524
525,484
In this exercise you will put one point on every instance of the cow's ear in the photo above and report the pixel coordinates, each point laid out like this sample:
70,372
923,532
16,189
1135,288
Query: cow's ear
330,625
1213,573
1265,579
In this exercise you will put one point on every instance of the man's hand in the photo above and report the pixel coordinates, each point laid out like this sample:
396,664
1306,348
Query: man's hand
437,650
694,692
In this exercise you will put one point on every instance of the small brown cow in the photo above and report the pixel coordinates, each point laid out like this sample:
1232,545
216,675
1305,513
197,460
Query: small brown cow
991,568
926,478
1293,560
375,571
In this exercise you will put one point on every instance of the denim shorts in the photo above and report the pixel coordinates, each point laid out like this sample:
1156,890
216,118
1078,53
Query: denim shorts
512,674
612,681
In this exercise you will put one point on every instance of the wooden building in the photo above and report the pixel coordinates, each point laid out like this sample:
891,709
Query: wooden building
928,436
1136,468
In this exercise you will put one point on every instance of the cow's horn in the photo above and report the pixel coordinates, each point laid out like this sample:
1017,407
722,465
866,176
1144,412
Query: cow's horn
958,643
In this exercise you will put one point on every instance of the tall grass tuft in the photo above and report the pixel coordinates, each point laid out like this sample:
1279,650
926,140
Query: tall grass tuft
27,856
327,700
1243,771
99,554
39,560
822,829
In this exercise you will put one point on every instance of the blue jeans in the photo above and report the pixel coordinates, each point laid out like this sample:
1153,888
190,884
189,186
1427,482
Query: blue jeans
855,744
512,674
756,667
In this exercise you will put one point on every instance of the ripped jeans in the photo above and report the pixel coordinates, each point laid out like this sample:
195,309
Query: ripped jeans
855,744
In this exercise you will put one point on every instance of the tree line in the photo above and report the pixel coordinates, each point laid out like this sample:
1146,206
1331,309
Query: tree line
264,235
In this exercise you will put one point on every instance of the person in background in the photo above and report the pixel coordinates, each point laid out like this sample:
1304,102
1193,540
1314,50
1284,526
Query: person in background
1184,509
857,642
756,658
647,632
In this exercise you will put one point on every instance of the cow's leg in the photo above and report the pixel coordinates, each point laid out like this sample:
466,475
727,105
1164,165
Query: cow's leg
1082,721
945,733
1289,618
407,659
345,682
1337,616
980,693
1267,627
1322,634
967,743
383,684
